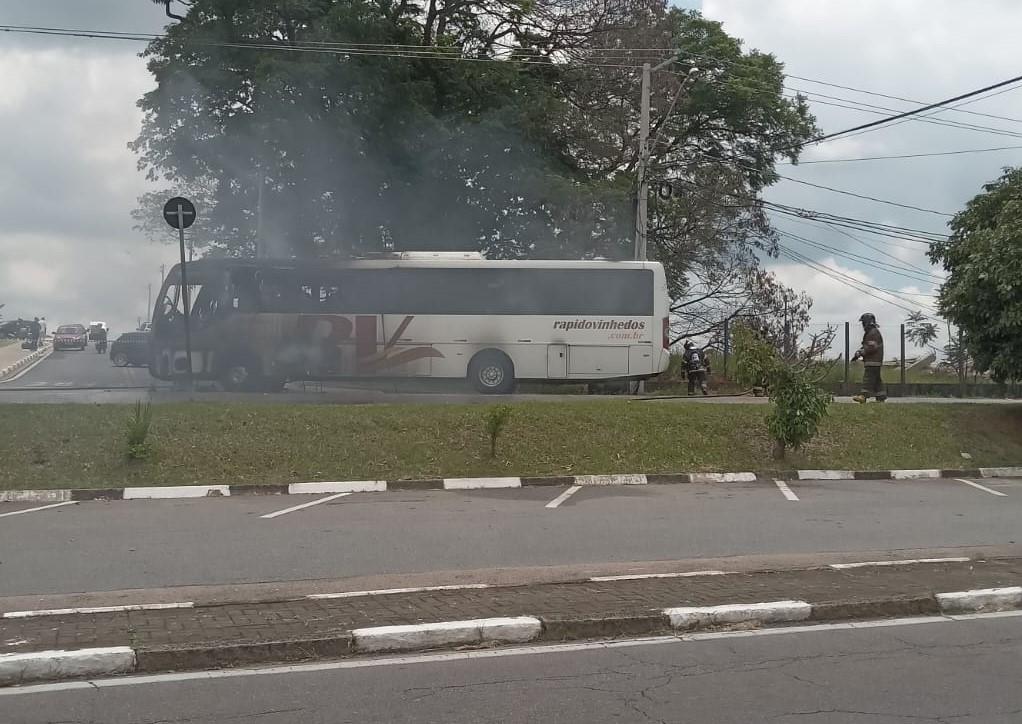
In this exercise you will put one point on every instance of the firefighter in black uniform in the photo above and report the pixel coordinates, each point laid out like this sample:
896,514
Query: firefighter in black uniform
696,366
872,355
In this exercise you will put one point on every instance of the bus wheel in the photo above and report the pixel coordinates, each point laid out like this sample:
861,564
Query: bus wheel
492,372
237,377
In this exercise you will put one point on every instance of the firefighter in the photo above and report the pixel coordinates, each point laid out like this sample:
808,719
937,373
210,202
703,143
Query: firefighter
872,355
697,367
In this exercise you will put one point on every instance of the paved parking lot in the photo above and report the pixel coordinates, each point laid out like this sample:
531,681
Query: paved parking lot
97,546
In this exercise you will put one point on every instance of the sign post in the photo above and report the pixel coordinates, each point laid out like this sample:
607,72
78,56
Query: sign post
179,212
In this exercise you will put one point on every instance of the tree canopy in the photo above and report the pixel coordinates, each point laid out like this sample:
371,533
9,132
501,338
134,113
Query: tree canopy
336,127
982,294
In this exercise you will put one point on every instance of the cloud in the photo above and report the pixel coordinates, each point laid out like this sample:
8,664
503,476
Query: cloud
68,184
923,50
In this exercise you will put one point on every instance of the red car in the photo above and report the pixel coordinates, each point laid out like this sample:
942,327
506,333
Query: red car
71,336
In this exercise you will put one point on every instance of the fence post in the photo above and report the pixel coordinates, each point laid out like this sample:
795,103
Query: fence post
903,359
727,344
961,365
847,353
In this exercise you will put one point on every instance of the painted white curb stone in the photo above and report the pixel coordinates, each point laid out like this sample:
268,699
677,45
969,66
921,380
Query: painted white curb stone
431,635
723,477
351,486
35,496
598,480
50,665
177,491
477,483
826,475
979,600
1001,472
914,474
770,612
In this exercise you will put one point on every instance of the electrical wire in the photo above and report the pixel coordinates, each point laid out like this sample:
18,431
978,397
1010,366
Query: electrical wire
879,266
859,286
905,155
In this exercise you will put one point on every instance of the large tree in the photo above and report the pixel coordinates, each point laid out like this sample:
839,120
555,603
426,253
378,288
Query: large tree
982,294
317,127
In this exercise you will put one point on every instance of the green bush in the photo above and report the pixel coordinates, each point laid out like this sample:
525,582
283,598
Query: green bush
798,402
138,431
496,421
799,406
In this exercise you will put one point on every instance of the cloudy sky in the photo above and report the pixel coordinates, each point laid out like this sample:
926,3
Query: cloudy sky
68,182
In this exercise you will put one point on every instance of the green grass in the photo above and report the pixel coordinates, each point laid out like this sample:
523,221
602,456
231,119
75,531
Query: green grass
84,446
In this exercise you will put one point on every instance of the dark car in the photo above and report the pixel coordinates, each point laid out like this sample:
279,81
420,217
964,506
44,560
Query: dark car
71,336
131,348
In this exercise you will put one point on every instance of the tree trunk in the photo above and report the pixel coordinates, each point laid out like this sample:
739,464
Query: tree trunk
427,31
778,450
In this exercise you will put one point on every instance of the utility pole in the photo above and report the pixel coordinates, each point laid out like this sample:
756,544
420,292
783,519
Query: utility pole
641,215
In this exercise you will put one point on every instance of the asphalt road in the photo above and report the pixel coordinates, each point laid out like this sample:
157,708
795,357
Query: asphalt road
73,377
65,369
961,671
103,546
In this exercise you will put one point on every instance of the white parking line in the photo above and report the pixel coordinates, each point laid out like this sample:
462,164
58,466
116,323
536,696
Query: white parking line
41,507
99,609
642,576
905,562
293,508
783,487
984,488
563,496
389,591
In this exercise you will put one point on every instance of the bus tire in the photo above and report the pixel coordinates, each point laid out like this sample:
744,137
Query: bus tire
239,375
492,372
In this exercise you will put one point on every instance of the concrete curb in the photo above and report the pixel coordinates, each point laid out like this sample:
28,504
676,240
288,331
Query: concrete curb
25,668
981,600
54,665
382,486
28,359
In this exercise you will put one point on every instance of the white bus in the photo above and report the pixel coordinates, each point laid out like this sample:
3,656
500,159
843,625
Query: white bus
256,324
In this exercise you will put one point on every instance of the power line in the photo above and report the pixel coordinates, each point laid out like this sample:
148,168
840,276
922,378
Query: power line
727,62
899,98
879,266
859,286
817,223
907,233
914,111
880,111
908,155
522,57
845,192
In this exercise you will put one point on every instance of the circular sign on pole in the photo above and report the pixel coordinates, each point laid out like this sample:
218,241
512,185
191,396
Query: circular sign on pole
179,212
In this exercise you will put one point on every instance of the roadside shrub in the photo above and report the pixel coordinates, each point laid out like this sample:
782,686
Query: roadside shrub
139,425
496,421
798,402
799,406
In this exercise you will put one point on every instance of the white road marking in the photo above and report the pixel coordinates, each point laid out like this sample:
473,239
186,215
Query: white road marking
388,591
41,507
293,508
640,576
564,496
785,490
530,650
984,488
905,562
99,609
